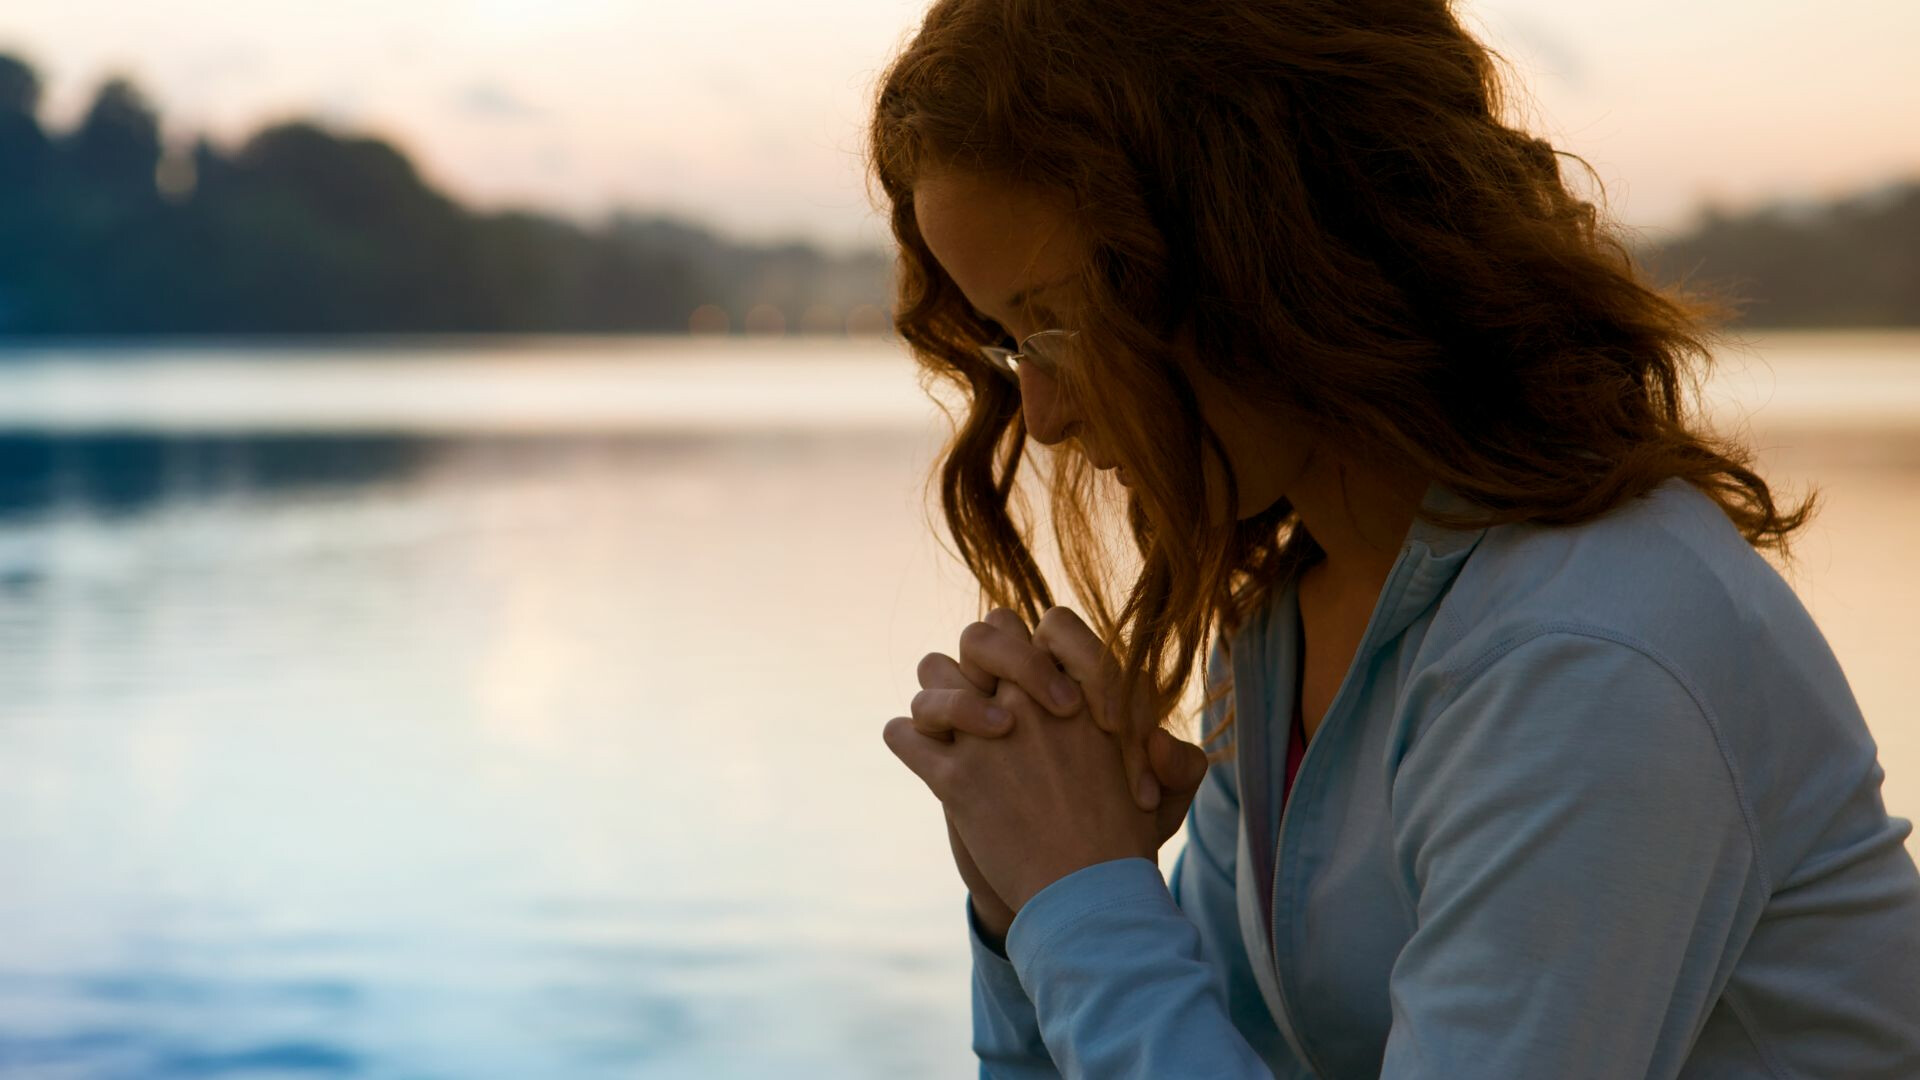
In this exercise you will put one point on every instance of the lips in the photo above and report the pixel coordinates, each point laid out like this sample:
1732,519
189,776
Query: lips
1105,466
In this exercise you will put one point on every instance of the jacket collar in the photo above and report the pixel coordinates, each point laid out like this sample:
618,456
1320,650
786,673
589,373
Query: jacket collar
1430,557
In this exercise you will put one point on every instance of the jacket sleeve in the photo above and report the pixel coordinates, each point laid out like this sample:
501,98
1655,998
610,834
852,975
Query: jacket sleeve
1114,973
1120,982
1006,1035
1573,844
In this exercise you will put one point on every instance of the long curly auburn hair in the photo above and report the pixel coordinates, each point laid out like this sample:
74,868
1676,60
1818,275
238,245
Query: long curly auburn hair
1321,203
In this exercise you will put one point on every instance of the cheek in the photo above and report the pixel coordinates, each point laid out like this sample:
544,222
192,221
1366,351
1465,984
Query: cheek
1043,400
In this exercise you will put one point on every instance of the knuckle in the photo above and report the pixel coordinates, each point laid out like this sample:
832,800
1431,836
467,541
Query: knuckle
1044,634
978,722
890,732
975,635
1014,699
1059,614
926,706
930,667
1042,669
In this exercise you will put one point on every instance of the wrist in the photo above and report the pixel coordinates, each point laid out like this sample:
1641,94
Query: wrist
1022,892
991,920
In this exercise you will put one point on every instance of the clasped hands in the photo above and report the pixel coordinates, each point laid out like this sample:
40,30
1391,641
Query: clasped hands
1041,768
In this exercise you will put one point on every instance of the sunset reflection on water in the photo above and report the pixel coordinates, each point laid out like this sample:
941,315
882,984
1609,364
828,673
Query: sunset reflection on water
468,745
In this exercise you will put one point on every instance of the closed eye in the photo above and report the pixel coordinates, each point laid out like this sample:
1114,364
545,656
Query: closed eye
1043,319
1001,337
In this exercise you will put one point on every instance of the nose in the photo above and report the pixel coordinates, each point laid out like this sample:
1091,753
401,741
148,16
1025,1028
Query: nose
1050,415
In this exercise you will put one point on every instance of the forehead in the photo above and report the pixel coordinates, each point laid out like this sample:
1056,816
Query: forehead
994,238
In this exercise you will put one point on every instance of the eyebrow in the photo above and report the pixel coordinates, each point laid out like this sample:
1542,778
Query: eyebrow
1013,302
1023,295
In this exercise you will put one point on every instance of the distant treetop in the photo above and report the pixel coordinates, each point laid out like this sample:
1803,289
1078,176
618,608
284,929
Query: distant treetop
104,230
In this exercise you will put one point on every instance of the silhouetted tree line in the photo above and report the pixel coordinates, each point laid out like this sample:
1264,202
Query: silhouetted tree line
303,230
1852,262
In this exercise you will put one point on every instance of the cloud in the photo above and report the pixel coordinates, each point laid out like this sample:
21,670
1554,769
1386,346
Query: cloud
491,101
1558,58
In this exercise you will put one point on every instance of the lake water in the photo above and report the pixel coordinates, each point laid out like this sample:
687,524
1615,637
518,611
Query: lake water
512,708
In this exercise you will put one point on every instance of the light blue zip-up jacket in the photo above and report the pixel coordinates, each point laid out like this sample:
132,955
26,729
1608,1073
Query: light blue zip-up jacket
1593,801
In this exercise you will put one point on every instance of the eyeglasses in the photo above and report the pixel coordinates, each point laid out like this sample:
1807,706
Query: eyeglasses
1044,350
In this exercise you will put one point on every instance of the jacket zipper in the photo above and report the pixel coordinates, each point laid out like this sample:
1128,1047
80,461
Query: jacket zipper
1387,595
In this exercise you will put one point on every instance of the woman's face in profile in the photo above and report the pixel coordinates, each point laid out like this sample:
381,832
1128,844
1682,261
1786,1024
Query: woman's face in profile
1015,254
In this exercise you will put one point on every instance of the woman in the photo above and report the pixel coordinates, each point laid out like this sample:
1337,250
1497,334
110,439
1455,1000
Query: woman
1572,784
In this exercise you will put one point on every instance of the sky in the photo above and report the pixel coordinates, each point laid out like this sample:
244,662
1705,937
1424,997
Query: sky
748,114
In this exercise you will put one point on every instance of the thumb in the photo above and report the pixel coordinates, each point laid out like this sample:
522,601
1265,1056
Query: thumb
1179,765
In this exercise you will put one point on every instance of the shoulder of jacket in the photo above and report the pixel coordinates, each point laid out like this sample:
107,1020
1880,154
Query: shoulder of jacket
1666,571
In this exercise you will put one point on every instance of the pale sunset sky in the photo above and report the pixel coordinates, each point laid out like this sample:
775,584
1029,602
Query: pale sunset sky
747,114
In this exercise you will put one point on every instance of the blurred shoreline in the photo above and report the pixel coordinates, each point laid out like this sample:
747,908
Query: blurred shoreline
1851,382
